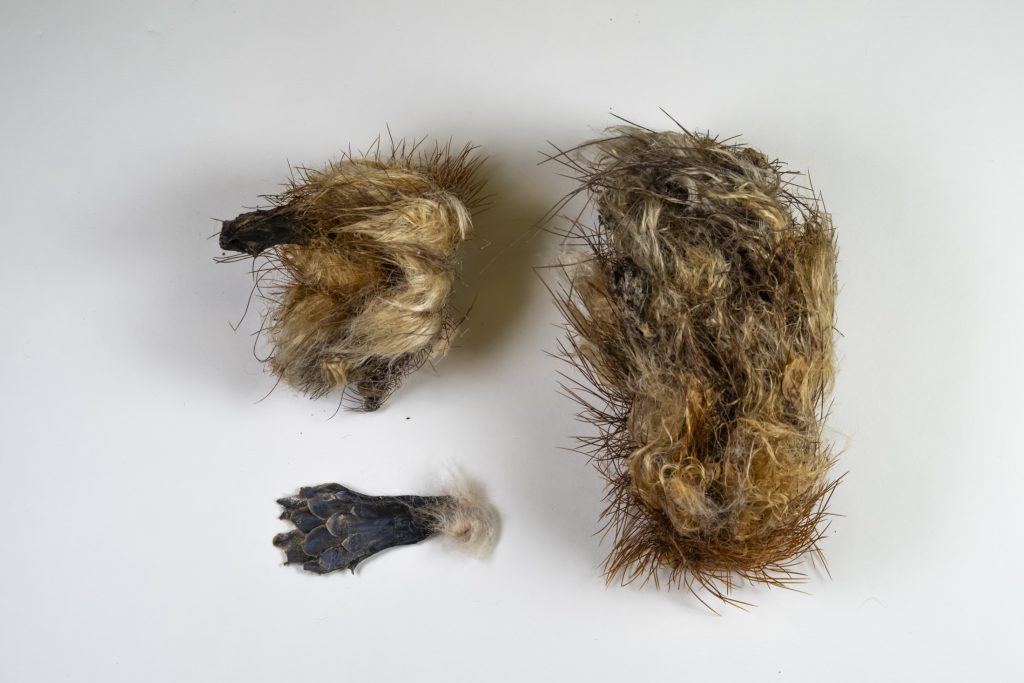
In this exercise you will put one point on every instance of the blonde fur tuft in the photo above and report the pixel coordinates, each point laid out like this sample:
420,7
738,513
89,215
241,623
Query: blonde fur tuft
467,518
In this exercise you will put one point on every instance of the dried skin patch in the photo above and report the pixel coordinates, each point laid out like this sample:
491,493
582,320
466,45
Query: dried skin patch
701,316
361,256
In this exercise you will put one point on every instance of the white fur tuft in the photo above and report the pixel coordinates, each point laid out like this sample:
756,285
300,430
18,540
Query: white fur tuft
469,520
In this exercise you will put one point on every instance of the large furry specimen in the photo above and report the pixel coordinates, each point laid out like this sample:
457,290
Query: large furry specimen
338,528
360,263
700,312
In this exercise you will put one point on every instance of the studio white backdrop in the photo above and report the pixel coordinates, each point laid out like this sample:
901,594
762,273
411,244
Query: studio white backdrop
139,468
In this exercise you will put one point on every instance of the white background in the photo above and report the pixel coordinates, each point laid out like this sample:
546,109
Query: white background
138,471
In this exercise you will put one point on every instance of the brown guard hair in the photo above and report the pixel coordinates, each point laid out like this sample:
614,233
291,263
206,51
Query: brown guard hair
701,319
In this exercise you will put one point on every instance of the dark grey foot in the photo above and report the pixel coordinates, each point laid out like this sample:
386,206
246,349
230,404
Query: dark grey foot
337,528
256,231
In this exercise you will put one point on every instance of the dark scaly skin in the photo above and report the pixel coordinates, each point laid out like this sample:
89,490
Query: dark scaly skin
337,528
256,231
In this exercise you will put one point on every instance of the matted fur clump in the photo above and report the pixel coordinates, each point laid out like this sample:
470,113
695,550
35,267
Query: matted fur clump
362,261
702,320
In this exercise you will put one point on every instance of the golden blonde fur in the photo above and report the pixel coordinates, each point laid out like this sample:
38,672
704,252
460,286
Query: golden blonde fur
701,316
363,282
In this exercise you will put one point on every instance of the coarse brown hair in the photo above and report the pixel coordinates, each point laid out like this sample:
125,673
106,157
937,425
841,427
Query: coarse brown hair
700,314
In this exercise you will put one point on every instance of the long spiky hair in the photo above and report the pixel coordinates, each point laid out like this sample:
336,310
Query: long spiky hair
699,313
357,262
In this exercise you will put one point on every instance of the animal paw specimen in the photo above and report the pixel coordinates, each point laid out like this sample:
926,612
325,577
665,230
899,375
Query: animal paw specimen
337,528
361,260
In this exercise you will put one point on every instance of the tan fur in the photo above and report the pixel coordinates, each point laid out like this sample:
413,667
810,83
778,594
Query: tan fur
467,518
364,299
702,320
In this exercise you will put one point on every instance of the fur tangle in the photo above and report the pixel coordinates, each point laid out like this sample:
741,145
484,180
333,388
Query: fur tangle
364,271
701,316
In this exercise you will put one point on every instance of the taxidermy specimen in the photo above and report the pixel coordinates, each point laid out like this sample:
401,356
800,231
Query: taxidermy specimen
700,313
361,257
337,528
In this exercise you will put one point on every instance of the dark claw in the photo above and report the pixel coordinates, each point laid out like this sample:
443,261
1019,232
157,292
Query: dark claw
291,543
292,502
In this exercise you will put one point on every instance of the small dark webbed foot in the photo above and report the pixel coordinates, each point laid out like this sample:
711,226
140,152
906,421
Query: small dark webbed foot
337,528
254,232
